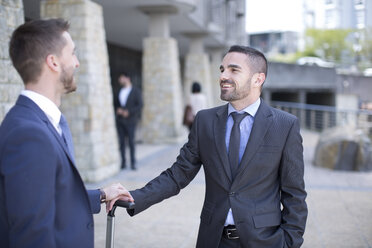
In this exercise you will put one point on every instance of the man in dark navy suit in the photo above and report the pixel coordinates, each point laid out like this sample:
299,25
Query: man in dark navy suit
128,106
44,202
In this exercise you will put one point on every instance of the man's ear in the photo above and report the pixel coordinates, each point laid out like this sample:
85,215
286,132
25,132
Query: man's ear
258,79
53,62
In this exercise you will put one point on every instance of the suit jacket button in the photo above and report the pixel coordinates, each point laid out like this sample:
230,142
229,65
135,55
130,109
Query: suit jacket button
231,193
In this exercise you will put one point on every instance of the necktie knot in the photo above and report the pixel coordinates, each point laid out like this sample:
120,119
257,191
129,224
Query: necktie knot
238,117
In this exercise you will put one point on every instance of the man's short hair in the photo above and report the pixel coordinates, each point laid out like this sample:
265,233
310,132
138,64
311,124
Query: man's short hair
32,42
257,60
124,73
196,87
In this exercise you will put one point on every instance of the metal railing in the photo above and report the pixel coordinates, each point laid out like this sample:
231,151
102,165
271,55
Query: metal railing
318,117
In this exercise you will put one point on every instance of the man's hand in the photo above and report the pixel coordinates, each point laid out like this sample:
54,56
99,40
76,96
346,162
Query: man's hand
114,192
122,112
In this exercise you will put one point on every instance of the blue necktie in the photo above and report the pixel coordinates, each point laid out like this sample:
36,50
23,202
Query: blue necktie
66,136
234,145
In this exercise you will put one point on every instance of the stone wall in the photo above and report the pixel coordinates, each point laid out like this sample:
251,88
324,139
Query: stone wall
216,60
89,110
162,112
11,16
197,68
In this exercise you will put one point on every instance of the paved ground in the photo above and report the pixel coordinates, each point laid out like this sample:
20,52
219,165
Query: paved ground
340,205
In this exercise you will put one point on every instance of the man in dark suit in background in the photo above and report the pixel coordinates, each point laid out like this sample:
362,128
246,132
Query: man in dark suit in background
128,106
44,202
252,157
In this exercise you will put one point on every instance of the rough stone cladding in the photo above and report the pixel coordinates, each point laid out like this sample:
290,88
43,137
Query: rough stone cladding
89,110
11,16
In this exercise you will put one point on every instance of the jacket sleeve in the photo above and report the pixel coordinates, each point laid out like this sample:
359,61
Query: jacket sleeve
28,171
172,180
94,199
293,192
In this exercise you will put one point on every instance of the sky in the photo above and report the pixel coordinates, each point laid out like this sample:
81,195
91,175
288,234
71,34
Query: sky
273,15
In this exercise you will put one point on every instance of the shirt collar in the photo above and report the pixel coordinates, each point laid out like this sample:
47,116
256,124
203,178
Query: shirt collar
127,88
251,109
46,105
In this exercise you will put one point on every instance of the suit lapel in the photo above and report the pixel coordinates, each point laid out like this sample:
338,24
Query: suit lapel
219,134
60,141
25,101
129,99
262,122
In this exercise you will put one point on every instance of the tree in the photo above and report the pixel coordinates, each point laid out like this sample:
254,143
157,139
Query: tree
328,44
366,47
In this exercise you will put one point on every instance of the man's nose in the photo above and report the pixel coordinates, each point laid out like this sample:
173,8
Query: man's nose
77,63
223,76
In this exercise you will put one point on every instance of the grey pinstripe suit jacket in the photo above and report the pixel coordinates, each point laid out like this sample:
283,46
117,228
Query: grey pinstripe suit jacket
268,194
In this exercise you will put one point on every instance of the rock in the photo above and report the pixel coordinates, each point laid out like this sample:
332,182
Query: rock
344,148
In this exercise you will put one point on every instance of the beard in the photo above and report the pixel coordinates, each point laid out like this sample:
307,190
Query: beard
233,94
67,79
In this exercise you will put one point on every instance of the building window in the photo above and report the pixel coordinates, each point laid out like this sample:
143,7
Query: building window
330,18
360,19
328,2
359,2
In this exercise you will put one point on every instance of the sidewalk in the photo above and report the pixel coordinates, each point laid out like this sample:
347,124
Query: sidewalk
340,205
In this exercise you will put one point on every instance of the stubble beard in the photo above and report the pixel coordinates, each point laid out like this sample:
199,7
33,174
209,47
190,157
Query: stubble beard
234,95
68,81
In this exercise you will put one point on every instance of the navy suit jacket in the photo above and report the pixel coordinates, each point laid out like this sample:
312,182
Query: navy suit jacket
44,202
270,175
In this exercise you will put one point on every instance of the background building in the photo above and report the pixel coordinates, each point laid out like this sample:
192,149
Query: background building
163,44
333,14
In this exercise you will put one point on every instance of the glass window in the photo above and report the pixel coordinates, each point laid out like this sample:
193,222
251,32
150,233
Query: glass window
360,19
359,2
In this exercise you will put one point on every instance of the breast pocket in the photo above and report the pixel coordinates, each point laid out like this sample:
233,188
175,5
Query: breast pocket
268,149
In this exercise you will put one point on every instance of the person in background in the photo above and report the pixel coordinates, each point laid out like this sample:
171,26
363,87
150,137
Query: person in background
44,202
197,100
128,106
252,156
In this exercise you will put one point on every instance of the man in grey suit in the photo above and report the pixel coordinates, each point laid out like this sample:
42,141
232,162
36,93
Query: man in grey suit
252,157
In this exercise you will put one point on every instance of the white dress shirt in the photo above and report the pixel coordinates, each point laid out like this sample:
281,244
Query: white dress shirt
198,101
123,95
47,106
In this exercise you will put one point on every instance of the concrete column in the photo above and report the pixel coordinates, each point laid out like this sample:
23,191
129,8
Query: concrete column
197,67
89,110
217,56
163,107
302,100
347,105
11,16
159,25
302,96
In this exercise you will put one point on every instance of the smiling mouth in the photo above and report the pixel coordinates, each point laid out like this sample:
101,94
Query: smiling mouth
226,86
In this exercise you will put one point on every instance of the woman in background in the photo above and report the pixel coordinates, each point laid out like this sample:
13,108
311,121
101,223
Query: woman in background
197,102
